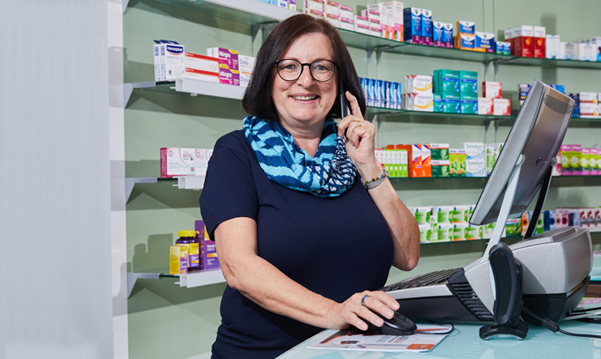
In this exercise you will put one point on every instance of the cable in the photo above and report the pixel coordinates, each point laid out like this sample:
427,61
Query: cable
554,327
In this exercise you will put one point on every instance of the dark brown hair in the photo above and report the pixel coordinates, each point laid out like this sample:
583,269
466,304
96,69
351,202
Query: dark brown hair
257,99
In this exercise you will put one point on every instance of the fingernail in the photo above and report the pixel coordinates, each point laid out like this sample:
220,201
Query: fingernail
363,326
389,313
396,305
380,322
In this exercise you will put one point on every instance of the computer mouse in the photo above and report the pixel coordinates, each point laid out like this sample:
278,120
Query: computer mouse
398,325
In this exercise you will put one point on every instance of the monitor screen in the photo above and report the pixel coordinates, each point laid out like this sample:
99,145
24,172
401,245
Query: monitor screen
537,134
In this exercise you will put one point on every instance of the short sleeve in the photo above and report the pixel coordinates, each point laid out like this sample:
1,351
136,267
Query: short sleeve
229,190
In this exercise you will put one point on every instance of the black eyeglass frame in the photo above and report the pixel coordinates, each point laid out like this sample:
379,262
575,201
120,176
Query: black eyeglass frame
303,68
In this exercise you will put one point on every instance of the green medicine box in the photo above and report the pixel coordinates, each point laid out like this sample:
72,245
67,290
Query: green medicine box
440,168
457,165
439,151
437,103
469,103
451,103
468,82
446,81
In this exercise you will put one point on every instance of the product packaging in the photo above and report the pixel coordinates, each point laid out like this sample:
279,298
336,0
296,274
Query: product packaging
178,260
502,107
548,220
346,12
523,41
203,155
209,260
246,63
485,42
468,82
469,103
540,37
459,231
226,57
552,46
447,36
465,42
457,164
473,232
587,51
585,162
466,28
292,5
332,8
485,106
571,51
438,34
492,89
437,103
427,27
475,164
177,162
201,62
200,75
595,162
334,20
397,11
444,232
446,81
451,103
362,25
412,24
425,233
422,214
189,240
174,61
315,5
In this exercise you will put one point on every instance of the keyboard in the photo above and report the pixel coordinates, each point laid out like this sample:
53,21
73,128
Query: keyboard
423,280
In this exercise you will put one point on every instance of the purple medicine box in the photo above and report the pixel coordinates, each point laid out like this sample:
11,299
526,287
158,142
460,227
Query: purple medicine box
208,255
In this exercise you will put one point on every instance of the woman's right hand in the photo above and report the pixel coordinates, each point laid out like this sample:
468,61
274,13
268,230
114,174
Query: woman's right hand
353,312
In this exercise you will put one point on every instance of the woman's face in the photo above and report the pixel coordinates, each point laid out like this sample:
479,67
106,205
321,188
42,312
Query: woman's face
305,102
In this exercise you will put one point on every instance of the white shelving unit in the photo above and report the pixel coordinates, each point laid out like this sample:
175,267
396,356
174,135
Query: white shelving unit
197,279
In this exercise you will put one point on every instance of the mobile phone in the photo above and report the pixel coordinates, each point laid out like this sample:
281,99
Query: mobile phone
344,105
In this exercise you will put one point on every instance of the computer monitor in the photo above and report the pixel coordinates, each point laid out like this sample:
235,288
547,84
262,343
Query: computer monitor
526,159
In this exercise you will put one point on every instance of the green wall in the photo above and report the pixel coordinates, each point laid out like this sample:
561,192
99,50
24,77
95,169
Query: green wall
166,321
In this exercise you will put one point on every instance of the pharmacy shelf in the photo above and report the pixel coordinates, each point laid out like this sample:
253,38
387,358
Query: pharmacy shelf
192,87
250,12
434,117
551,63
369,42
194,183
196,279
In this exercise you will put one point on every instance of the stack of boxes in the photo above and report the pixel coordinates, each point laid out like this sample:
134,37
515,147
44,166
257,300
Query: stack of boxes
394,160
475,159
380,93
332,12
466,35
442,34
589,104
219,65
579,161
176,161
492,152
440,159
456,91
391,18
493,95
315,8
529,41
419,95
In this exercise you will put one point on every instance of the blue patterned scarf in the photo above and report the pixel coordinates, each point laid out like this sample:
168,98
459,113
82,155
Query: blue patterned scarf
329,174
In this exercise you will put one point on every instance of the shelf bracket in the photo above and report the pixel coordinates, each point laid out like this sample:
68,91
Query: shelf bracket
132,278
130,183
128,89
495,67
265,26
125,3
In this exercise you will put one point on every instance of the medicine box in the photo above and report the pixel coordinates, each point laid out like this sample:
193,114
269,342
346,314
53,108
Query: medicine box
552,46
571,51
334,20
440,168
459,231
469,103
203,155
209,259
174,61
594,162
347,23
540,37
422,214
440,151
475,159
362,25
437,103
226,57
332,8
418,84
201,62
426,158
246,63
159,61
587,52
421,101
178,260
316,5
502,107
283,3
589,97
448,35
201,75
523,41
228,76
491,89
468,82
346,12
427,27
485,42
485,106
412,24
177,162
397,11
589,110
446,81
585,162
292,5
466,28
457,162
438,34
465,42
451,103
425,232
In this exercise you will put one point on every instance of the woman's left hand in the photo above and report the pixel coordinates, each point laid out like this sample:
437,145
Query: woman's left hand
360,139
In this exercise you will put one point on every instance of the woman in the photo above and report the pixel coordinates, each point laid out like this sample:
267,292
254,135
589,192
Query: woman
302,242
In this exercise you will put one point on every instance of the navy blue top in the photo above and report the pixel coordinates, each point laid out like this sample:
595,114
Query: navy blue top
332,246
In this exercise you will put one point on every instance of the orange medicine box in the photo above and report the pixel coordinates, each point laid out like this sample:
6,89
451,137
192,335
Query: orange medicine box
414,166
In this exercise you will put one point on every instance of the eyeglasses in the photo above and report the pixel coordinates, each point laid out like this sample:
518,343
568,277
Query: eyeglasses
291,70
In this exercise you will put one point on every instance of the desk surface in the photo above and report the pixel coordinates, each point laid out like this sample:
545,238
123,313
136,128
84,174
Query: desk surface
465,343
